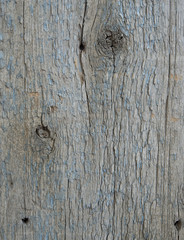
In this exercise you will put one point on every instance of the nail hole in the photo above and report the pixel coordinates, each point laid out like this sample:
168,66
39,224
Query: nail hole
82,47
25,220
177,224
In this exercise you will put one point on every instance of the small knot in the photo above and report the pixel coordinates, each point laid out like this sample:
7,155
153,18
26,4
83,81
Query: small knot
111,40
178,224
43,131
25,220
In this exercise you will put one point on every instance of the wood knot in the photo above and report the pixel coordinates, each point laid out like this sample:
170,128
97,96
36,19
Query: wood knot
25,220
43,131
178,224
111,41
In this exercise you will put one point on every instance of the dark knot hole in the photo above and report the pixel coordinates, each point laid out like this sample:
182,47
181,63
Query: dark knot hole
178,224
25,220
81,46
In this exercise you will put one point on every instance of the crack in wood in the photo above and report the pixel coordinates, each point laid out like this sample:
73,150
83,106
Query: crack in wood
82,47
24,41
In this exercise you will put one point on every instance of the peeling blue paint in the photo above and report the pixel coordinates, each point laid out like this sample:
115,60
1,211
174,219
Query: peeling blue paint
1,36
10,66
45,26
2,62
19,75
31,9
9,21
51,81
40,58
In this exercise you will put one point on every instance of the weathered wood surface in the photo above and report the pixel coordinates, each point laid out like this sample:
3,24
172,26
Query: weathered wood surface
91,140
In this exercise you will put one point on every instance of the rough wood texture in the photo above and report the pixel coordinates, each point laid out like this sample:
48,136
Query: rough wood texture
91,125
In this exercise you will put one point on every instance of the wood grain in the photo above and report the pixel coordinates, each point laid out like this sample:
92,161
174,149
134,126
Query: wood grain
91,135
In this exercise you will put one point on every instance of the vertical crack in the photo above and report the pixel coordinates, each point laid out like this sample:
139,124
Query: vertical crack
166,163
25,219
82,47
114,152
82,27
24,46
169,74
114,61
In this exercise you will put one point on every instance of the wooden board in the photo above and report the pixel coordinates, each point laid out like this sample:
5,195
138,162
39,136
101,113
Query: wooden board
91,119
